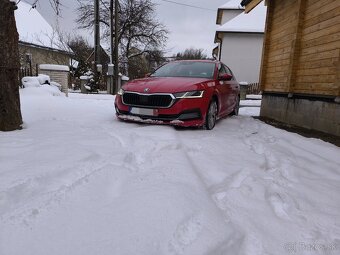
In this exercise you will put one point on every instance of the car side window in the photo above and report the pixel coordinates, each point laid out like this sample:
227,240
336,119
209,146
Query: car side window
221,70
229,72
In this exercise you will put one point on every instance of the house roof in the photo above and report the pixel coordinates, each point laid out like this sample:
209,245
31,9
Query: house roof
232,5
253,22
34,29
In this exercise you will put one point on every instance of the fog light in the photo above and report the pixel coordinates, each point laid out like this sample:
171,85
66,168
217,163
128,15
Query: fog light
189,115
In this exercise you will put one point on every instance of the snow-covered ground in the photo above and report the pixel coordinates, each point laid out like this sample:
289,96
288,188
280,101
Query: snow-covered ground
76,181
250,103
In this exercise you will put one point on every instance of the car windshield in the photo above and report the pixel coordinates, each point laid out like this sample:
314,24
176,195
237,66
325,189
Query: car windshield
186,69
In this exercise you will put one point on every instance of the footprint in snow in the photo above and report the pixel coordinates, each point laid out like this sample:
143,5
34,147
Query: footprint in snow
239,178
234,180
133,160
271,162
186,233
279,205
253,245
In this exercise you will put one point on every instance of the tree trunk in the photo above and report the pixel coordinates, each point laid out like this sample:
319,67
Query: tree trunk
10,114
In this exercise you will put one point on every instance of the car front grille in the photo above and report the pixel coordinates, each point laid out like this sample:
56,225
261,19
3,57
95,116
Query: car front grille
145,100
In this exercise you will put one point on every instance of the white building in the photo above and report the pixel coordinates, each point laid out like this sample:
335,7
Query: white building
240,39
228,11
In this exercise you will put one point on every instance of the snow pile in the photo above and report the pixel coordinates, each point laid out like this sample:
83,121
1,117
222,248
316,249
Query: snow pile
78,181
254,97
40,85
56,84
35,81
85,77
30,81
42,90
250,103
44,79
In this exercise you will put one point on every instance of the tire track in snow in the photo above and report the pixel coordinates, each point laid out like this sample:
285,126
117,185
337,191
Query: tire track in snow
23,202
277,175
184,149
140,161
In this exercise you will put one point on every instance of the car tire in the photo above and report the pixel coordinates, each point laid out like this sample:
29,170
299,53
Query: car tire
237,107
211,116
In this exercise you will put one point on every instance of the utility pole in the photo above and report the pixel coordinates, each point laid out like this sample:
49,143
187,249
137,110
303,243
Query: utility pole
117,81
110,69
111,32
96,39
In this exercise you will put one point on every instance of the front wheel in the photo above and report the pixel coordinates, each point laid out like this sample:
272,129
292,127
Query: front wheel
237,106
210,119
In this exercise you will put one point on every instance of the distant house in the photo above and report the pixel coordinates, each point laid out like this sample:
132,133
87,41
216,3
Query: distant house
228,11
38,42
300,70
240,39
225,13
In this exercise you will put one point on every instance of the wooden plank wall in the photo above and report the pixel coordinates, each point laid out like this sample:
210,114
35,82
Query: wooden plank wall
302,47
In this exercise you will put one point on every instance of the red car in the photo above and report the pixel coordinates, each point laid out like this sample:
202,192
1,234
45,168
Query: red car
183,93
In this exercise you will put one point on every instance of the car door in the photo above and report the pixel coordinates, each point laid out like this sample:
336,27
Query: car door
234,90
224,91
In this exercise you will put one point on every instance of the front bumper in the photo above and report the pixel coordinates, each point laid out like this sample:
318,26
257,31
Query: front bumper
184,112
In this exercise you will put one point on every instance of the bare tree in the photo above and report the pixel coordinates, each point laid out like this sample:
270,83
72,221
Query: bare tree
140,32
82,53
10,113
191,53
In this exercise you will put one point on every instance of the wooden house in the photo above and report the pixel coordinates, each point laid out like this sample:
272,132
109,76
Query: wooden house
300,70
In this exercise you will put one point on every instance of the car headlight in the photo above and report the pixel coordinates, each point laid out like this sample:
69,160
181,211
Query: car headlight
189,94
120,92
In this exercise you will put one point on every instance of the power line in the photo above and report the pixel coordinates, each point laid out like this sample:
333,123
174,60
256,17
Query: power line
188,5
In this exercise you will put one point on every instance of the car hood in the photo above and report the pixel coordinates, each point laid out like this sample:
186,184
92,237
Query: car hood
165,84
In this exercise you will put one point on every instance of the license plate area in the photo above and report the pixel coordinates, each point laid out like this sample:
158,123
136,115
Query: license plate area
143,111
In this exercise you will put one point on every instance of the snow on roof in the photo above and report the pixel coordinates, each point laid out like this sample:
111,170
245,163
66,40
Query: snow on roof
232,5
54,67
253,22
33,28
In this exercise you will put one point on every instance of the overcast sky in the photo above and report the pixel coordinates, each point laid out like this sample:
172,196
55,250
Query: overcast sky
189,27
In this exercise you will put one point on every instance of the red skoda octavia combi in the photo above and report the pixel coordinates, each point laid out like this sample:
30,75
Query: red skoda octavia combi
183,93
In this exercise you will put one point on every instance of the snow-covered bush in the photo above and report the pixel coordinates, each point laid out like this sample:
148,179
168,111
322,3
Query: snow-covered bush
35,81
44,79
52,90
42,85
56,84
42,90
30,81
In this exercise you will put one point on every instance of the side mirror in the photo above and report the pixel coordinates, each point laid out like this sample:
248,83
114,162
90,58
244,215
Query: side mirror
225,77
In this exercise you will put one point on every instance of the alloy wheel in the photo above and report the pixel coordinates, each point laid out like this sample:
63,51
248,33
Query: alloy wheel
211,115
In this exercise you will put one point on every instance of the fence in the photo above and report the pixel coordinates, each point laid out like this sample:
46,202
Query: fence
253,89
26,71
